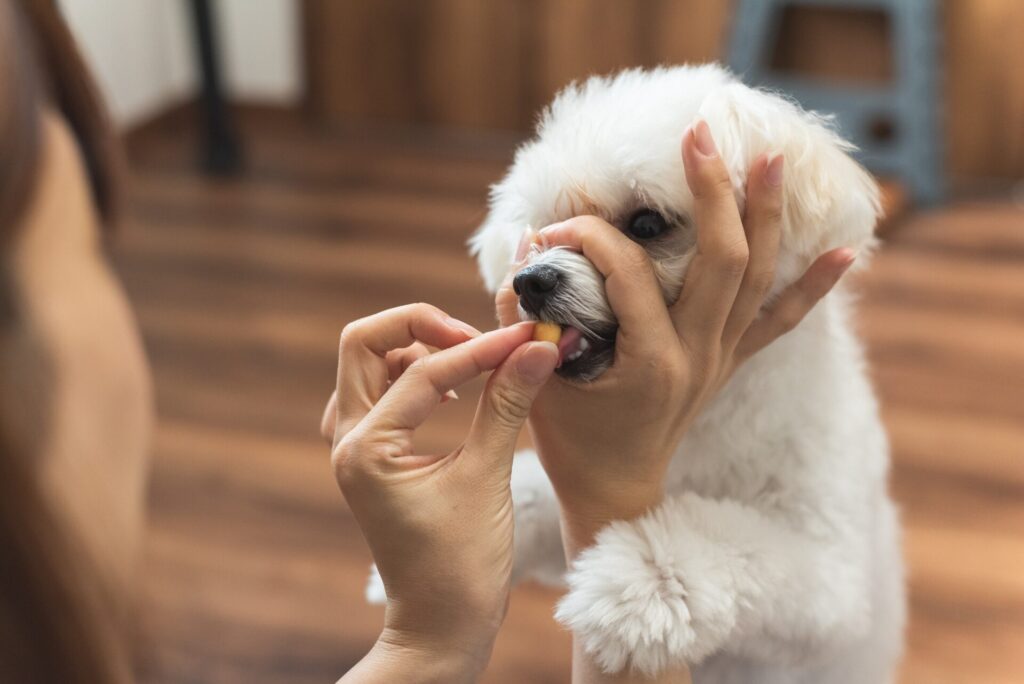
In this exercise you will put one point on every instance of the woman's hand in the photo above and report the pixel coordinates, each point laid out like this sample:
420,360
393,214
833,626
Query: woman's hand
439,525
606,444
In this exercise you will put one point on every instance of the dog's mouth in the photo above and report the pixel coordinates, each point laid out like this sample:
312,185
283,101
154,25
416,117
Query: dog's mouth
583,355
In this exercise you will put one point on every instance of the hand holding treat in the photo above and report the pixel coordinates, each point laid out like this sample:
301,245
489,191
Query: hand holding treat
439,525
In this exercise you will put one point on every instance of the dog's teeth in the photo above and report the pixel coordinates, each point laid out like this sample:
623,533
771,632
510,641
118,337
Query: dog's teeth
584,344
575,355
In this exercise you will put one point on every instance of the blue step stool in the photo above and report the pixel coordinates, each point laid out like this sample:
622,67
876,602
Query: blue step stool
914,151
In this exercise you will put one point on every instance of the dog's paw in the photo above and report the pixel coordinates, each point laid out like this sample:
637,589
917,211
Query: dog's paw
375,593
641,598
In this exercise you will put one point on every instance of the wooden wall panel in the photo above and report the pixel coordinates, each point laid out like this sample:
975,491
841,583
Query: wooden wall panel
466,45
450,62
818,42
495,63
985,87
689,31
581,37
487,63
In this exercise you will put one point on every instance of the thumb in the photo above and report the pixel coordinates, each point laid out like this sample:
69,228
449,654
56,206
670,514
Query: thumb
506,302
506,401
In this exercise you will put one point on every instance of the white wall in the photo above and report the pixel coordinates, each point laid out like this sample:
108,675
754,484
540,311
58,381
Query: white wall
141,51
261,48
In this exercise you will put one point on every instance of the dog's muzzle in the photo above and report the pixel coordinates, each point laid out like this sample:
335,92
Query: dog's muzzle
563,287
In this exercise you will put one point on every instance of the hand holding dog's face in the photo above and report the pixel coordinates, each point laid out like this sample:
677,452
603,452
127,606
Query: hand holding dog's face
606,443
609,148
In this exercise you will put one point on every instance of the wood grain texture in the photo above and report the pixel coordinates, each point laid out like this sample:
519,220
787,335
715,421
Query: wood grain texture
491,64
984,87
495,64
254,567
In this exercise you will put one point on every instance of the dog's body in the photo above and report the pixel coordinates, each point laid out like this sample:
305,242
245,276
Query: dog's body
775,556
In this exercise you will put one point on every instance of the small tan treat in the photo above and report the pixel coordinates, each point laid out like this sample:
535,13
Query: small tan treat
547,332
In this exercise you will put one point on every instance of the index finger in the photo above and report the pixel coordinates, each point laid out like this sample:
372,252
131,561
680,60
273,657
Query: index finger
714,275
362,353
630,284
420,389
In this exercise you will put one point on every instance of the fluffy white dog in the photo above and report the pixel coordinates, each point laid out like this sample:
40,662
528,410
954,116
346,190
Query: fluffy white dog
775,556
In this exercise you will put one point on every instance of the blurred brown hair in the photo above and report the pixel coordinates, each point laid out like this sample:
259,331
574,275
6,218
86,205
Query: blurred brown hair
41,63
58,621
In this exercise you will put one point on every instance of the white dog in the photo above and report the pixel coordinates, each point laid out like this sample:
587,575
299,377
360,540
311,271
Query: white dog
775,556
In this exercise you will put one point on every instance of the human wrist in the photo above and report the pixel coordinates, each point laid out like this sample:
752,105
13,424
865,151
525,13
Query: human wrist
582,522
416,657
463,627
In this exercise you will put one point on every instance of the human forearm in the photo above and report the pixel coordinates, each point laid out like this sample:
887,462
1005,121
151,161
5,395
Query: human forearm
582,520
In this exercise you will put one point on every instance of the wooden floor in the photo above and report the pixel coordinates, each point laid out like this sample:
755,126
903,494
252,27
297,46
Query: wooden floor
255,569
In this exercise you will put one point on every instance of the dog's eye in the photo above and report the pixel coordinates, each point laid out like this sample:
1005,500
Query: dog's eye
646,224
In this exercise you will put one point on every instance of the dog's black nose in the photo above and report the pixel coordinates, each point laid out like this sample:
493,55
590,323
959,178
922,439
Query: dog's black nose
534,284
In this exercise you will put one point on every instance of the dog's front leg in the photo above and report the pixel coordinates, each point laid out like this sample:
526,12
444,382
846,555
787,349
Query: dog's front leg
538,537
700,576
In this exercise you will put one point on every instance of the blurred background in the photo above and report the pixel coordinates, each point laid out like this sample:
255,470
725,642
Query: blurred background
296,164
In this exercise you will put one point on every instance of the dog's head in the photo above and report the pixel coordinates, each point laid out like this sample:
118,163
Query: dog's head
610,148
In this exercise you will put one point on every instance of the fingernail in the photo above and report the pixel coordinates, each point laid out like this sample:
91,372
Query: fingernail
450,394
537,361
847,259
773,172
463,327
547,230
524,245
702,137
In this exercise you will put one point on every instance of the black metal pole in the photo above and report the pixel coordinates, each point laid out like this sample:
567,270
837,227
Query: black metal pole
222,153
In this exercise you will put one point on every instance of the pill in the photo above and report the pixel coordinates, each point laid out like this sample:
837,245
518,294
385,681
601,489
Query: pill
547,332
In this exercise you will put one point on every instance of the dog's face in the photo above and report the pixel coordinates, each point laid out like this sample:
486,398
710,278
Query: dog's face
611,148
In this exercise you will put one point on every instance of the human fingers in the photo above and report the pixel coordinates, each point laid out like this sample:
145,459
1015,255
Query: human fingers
714,275
328,419
399,360
417,392
795,302
506,301
630,284
506,401
762,222
362,355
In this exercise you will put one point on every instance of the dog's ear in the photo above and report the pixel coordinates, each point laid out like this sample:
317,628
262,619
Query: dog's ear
829,199
494,243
